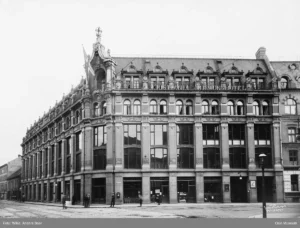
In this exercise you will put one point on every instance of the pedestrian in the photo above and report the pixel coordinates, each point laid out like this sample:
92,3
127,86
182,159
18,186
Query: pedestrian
73,200
157,198
63,200
23,198
141,199
88,200
160,198
112,202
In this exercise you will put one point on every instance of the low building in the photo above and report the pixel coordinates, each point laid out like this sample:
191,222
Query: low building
3,181
14,185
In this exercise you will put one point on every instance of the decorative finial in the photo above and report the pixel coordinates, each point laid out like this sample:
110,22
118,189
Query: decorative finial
98,34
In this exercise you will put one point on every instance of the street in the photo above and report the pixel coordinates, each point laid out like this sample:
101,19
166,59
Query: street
12,209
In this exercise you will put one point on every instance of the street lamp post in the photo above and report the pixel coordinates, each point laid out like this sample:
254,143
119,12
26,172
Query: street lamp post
264,209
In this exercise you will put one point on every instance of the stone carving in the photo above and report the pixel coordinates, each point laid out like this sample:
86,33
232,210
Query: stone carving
199,161
171,82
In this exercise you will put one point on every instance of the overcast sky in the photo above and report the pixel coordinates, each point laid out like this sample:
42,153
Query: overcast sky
41,43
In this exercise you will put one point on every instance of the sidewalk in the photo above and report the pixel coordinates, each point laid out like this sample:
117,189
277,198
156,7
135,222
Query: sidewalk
154,204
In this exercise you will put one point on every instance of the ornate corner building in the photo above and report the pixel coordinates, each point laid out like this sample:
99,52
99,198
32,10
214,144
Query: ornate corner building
189,129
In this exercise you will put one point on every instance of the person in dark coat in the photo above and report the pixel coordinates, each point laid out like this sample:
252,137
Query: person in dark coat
23,198
157,198
85,200
141,199
112,202
63,201
88,200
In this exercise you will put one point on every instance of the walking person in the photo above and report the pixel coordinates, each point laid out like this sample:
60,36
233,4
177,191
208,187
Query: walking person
85,201
112,202
141,199
88,200
63,200
157,198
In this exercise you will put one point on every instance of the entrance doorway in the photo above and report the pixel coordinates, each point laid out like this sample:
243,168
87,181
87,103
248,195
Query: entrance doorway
268,189
186,190
58,191
99,190
159,185
77,186
213,189
132,187
238,189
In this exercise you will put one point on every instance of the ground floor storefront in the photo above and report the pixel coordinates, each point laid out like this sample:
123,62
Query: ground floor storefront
177,187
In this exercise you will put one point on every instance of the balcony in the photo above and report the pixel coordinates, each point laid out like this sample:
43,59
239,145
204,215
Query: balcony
139,85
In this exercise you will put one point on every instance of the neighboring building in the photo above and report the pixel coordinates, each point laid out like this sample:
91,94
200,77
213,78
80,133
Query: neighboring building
14,185
289,75
3,181
6,171
189,128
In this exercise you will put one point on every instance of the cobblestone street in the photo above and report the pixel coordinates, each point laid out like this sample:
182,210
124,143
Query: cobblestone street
11,209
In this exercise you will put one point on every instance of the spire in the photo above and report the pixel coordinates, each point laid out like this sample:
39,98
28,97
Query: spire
98,34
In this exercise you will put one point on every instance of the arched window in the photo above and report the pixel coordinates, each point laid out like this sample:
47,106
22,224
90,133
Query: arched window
265,106
163,107
230,108
103,108
77,117
189,107
126,107
215,108
240,108
256,108
96,109
137,107
284,83
153,107
205,107
179,107
290,106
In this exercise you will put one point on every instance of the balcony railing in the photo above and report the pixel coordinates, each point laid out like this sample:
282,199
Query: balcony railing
138,85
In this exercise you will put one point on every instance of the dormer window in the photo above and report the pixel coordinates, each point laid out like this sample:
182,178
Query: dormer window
132,82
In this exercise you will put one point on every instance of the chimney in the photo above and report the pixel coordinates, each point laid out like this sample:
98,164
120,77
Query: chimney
261,53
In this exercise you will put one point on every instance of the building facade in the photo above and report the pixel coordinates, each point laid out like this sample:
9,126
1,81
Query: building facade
14,185
3,181
188,129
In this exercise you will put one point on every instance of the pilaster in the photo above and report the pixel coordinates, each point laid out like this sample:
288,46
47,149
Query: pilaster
49,163
199,145
224,145
119,145
55,158
63,157
72,148
109,146
146,187
226,194
145,145
173,188
251,146
88,148
277,146
199,188
172,146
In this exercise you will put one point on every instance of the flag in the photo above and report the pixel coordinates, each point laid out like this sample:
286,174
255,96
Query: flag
88,66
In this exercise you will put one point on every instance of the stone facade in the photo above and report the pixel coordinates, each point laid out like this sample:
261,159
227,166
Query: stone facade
187,129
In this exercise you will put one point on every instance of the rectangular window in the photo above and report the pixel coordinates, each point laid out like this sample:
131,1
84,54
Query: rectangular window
292,134
159,158
78,162
210,134
68,146
211,157
262,134
100,136
158,134
185,158
267,160
237,157
132,158
294,183
52,160
41,166
293,157
100,159
59,158
132,134
185,134
78,140
68,164
236,134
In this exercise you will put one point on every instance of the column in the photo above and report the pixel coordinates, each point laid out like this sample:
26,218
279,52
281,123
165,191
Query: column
199,145
172,147
119,147
73,138
251,146
172,105
224,145
118,188
25,169
72,117
37,191
88,184
33,167
88,150
145,146
30,166
224,105
55,158
198,102
277,146
62,185
199,188
173,188
279,187
249,105
252,190
109,147
226,194
48,190
118,104
49,163
71,187
42,191
146,187
63,157
82,188
109,187
43,163
83,151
